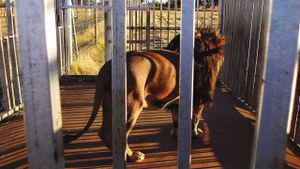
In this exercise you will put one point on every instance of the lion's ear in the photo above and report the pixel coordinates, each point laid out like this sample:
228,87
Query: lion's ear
221,41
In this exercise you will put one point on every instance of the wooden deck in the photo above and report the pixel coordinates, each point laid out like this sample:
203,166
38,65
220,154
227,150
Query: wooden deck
227,142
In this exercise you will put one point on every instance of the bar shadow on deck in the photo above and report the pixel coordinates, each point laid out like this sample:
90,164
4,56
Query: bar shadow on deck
227,143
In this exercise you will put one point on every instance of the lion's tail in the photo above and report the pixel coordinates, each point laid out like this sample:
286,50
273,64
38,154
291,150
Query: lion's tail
97,102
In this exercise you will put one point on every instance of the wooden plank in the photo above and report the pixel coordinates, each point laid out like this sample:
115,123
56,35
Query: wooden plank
278,83
186,83
119,89
38,58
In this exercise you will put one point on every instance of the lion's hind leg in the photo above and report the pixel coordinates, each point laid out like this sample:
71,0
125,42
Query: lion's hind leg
174,111
105,132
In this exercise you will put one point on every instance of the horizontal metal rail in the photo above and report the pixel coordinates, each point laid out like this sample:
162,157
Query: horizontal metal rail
5,114
136,8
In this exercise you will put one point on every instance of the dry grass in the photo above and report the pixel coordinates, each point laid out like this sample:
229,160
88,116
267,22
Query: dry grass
90,56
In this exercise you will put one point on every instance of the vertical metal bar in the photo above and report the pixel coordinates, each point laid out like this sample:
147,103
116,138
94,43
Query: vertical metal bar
280,76
226,32
297,130
60,25
295,115
3,76
233,46
257,54
10,73
13,54
73,27
211,13
129,25
160,25
153,32
119,89
68,37
65,40
221,16
186,83
141,26
59,36
197,13
175,20
60,51
40,82
204,13
148,28
108,33
240,47
247,37
96,26
135,27
168,35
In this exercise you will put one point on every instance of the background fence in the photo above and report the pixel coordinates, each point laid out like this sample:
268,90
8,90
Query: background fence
151,25
241,73
294,132
242,27
11,96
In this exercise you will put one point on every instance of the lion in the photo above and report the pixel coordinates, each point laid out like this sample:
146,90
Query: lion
153,83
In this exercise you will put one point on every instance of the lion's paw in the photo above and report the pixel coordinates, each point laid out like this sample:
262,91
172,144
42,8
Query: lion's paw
198,133
195,134
136,156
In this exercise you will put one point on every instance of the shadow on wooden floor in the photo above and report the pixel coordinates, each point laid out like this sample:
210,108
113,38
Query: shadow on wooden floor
227,143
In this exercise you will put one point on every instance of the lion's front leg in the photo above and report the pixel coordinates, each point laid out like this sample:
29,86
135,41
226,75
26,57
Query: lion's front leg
197,113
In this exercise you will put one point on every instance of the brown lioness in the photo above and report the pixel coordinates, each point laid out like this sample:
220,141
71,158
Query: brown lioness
152,83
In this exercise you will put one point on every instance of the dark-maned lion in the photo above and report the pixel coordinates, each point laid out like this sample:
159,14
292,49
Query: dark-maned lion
152,82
